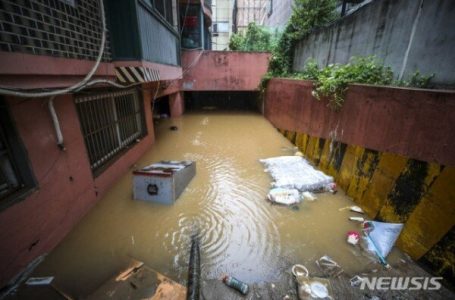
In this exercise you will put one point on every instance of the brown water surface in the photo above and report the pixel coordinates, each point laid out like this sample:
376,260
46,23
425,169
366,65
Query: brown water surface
241,233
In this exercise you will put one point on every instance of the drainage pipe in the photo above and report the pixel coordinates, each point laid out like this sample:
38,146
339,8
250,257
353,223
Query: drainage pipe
55,121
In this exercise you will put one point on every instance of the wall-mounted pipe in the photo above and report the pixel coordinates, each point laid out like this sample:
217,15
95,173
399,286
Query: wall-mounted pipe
55,121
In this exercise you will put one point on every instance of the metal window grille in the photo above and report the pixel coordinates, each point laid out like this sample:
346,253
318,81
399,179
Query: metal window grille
110,123
70,29
9,177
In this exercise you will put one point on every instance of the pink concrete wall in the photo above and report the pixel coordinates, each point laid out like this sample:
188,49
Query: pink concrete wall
66,188
176,104
223,70
21,70
412,122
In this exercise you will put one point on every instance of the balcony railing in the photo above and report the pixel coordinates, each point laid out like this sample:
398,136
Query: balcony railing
159,41
140,32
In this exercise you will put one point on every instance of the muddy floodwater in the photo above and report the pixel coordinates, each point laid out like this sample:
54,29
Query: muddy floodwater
242,234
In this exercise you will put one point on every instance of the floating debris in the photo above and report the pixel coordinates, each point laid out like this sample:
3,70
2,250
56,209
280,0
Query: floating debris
284,196
357,219
236,284
353,237
294,172
308,196
329,267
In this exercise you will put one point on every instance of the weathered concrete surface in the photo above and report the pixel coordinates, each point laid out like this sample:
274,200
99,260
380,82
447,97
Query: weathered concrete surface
340,286
411,122
281,12
384,29
390,149
216,289
223,70
66,188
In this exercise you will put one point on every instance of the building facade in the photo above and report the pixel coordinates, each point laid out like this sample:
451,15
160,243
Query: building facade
196,20
250,11
222,23
278,13
77,85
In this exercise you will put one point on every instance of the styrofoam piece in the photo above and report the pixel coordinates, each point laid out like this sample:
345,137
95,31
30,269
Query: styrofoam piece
294,172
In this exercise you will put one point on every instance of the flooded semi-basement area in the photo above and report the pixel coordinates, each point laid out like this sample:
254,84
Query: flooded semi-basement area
242,234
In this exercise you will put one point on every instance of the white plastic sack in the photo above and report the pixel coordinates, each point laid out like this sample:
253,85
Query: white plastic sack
382,236
295,172
284,196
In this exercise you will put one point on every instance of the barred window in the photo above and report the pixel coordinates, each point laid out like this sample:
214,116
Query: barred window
16,178
110,123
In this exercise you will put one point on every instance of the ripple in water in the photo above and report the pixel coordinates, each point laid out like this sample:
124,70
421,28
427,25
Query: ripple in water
236,232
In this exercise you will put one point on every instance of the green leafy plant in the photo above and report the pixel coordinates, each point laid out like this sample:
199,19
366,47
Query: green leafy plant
255,38
417,80
306,16
332,81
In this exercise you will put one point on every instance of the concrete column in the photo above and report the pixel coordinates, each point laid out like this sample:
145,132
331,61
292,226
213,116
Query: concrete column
176,104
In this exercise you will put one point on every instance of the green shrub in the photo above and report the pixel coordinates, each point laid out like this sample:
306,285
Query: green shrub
306,16
255,38
417,80
332,81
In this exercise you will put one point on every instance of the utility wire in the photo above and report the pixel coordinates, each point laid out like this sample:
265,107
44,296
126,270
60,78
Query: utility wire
12,92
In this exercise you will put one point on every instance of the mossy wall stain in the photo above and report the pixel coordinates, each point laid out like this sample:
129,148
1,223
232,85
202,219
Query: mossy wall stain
408,189
441,257
394,188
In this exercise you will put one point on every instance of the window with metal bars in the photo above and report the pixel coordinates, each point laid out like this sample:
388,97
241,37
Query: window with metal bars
16,178
110,123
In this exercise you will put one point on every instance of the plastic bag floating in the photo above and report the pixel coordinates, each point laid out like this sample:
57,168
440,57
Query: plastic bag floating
294,172
381,237
163,182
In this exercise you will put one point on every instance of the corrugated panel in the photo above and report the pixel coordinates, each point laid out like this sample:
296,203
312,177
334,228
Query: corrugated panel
159,43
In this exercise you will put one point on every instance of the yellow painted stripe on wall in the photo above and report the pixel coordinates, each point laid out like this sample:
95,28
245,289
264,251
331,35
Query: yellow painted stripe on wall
389,168
428,222
433,217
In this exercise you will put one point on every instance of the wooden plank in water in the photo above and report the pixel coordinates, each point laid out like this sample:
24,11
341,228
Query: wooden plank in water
138,281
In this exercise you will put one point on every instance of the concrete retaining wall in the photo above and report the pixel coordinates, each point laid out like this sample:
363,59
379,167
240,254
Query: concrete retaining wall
384,28
390,149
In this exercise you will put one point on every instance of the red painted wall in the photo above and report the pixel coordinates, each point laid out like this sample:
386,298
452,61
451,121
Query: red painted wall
37,224
223,70
412,122
176,104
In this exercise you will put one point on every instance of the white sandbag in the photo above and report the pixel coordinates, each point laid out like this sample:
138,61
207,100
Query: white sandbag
284,196
382,236
295,172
